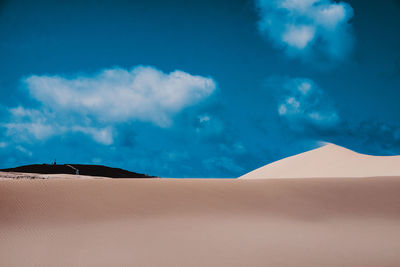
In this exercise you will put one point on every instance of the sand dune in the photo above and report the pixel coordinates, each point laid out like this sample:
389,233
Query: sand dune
200,222
329,161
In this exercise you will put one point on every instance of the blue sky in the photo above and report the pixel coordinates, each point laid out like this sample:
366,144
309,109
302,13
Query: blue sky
196,88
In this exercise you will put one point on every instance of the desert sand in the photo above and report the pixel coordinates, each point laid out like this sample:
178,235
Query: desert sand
328,161
200,222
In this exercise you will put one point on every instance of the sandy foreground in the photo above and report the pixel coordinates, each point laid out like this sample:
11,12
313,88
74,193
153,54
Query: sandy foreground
200,222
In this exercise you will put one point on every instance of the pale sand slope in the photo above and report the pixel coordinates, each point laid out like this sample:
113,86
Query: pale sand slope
328,161
183,222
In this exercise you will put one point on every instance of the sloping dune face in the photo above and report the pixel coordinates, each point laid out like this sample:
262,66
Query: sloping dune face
328,161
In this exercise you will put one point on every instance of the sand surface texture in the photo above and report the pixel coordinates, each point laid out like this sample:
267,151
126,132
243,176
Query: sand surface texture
172,222
329,161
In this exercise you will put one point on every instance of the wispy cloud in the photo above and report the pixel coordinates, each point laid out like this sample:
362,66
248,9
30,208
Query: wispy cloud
308,29
302,103
30,125
306,110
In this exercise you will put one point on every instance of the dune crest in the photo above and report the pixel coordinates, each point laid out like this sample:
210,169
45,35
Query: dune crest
328,161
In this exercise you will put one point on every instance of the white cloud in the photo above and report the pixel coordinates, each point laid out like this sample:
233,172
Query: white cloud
36,129
27,123
301,5
94,105
308,28
208,125
298,36
117,95
302,103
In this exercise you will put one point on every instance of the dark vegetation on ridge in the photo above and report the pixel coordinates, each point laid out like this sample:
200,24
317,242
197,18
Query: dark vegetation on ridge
81,169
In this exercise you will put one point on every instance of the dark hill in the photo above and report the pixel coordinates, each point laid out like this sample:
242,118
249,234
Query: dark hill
92,170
